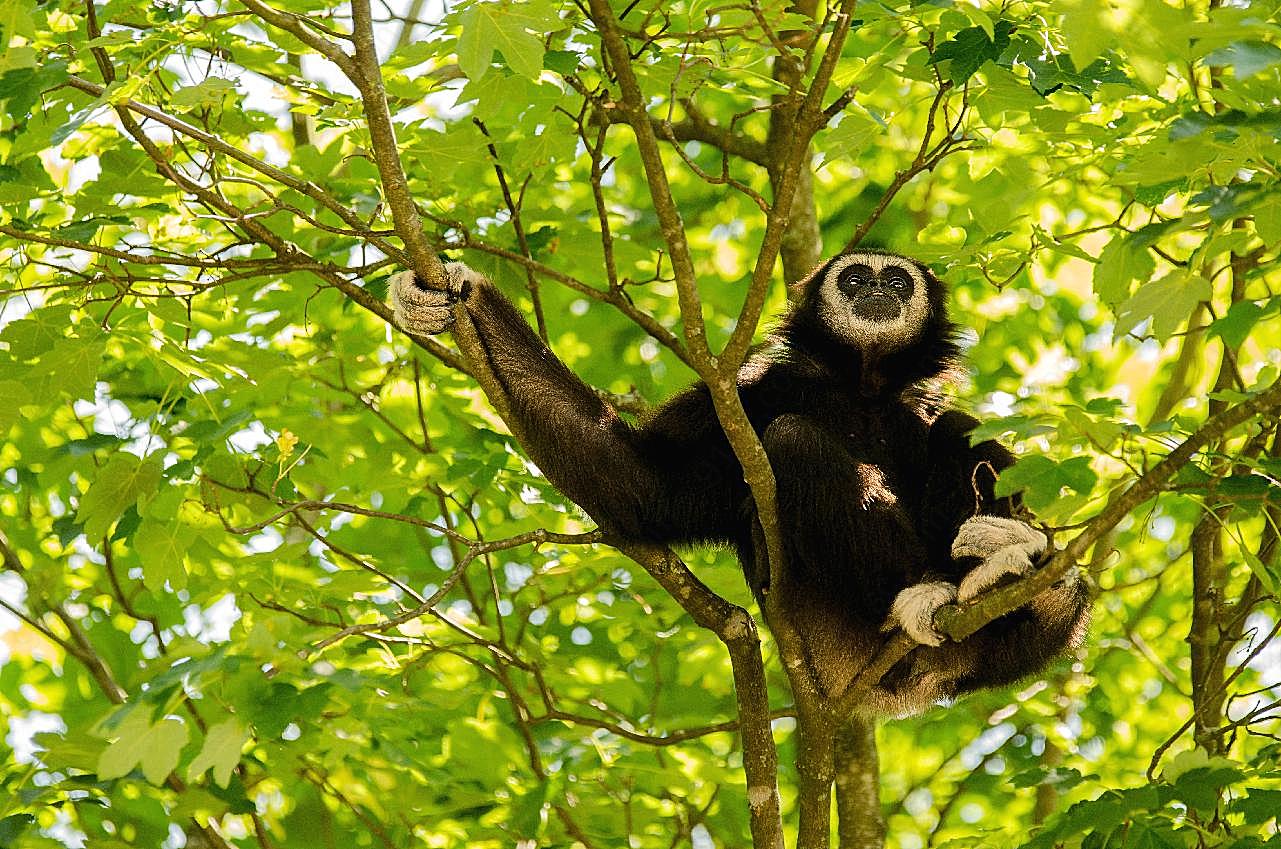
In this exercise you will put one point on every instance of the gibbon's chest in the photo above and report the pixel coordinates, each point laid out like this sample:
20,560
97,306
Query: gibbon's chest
889,435
895,441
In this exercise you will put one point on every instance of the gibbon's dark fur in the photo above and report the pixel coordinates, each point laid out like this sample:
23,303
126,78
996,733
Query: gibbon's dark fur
874,483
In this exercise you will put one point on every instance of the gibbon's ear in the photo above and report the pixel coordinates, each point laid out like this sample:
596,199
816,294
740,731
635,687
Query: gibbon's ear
797,290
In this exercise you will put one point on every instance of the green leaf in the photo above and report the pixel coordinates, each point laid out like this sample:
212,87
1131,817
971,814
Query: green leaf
1225,202
850,139
446,151
1101,431
1269,576
20,88
15,395
1259,805
554,143
1042,479
1004,93
1267,220
70,367
1202,787
1245,58
1155,195
161,749
128,523
154,748
1035,474
162,546
210,92
84,230
118,485
16,20
1086,29
377,286
1064,778
527,820
1018,426
1077,474
1234,327
1168,302
970,48
1102,815
12,827
541,240
1190,759
220,752
489,27
1120,264
72,124
1049,72
29,337
563,62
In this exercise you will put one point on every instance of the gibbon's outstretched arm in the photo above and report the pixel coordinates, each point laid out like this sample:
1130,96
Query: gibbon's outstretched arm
673,479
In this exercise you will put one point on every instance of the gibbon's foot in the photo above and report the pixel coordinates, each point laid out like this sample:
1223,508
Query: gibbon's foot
424,311
1007,547
914,608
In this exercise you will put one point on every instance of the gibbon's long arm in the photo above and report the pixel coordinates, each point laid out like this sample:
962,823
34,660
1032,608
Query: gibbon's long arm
673,479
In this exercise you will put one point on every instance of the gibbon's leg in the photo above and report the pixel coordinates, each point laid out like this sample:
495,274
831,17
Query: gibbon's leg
964,526
1001,652
984,547
664,482
1023,641
849,545
1003,549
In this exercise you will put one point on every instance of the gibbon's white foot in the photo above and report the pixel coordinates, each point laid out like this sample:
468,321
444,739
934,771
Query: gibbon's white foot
428,311
914,608
1007,547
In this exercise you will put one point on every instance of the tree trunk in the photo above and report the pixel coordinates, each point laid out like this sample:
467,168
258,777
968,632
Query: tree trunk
860,821
814,771
848,756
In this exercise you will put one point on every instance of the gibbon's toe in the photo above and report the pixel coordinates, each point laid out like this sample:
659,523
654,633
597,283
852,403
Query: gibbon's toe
983,536
1000,568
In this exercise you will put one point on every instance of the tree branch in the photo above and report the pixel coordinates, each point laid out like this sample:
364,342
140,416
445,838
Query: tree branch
697,128
212,142
737,630
297,27
669,217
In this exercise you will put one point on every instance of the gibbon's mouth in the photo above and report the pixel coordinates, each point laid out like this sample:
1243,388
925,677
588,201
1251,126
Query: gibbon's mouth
878,307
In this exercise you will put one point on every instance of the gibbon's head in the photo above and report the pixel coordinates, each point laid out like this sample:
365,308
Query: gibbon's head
875,318
874,301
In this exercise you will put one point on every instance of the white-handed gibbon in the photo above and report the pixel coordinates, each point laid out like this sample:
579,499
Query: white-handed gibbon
887,511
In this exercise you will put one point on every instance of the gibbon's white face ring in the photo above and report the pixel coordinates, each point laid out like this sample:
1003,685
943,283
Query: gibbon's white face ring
838,312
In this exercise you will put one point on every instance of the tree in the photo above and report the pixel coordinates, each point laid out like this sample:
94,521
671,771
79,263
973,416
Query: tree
279,577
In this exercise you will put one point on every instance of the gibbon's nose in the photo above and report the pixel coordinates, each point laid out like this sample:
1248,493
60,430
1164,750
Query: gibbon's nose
879,305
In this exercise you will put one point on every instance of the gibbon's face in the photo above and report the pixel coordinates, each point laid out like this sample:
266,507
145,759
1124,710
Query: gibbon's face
874,300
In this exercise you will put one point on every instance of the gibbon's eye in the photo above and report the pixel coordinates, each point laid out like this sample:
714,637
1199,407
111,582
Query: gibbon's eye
897,279
854,276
